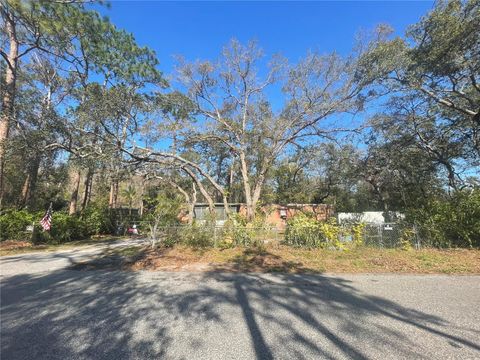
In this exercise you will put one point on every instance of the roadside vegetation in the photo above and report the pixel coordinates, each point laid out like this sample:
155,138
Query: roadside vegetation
93,127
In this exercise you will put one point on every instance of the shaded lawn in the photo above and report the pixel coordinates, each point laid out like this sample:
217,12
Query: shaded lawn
294,260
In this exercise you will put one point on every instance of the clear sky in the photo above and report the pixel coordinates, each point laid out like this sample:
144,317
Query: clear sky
201,29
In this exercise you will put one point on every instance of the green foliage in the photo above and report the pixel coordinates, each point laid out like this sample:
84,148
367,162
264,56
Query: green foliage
129,193
358,233
305,230
98,220
453,222
163,210
238,231
107,48
237,235
13,224
243,236
407,238
161,219
64,227
201,234
438,56
204,235
197,235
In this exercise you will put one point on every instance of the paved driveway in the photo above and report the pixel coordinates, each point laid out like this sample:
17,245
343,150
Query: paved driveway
43,261
56,313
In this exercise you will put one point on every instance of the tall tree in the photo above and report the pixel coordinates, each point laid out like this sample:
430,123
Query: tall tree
88,44
231,103
438,62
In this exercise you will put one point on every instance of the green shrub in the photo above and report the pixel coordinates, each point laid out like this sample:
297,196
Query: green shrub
198,235
98,220
13,224
453,222
305,230
358,233
242,236
66,228
407,238
237,231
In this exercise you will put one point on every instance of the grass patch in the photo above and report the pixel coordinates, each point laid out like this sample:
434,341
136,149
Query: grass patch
113,259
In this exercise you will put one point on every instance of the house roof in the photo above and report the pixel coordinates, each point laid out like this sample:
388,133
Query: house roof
239,204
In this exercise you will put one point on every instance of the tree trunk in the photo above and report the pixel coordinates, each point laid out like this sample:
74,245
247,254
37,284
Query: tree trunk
193,201
25,191
247,189
257,192
8,100
142,191
110,200
74,197
88,188
452,181
208,198
231,179
252,199
29,187
113,194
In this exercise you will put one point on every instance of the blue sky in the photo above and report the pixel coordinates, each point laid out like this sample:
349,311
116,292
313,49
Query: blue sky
201,29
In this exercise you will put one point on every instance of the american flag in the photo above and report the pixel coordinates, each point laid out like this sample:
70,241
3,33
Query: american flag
46,221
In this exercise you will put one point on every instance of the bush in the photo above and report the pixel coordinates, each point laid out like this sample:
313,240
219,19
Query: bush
64,228
358,233
453,222
13,224
98,220
198,235
304,230
161,221
237,232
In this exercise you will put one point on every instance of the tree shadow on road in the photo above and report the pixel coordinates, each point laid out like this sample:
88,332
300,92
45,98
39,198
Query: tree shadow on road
309,307
151,315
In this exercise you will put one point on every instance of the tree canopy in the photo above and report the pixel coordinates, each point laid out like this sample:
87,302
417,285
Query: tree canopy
88,117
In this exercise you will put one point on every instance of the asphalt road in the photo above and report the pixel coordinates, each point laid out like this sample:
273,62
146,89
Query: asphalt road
50,312
43,261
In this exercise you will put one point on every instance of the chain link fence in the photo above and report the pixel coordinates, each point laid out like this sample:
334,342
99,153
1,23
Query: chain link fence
391,235
385,235
205,234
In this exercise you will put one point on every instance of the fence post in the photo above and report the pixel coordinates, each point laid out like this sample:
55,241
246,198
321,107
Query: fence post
214,236
417,237
380,234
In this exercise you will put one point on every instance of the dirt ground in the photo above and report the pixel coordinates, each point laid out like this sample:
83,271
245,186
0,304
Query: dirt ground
292,260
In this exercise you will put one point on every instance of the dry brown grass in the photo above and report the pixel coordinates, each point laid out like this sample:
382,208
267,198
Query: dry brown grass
294,260
10,245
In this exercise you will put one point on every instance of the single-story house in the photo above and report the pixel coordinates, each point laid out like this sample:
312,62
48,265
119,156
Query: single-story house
276,215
